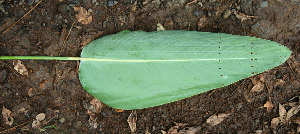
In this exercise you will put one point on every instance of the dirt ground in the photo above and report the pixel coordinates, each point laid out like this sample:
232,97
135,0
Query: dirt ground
52,88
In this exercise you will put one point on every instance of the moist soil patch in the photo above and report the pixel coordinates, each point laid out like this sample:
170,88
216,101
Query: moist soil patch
50,98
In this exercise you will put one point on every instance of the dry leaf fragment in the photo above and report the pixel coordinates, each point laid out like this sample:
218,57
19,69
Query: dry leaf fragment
259,87
275,122
180,124
269,105
216,119
147,131
132,121
242,16
30,94
292,112
83,16
190,130
20,67
295,120
202,22
258,132
227,13
160,27
163,132
278,82
174,130
119,110
8,119
286,117
40,116
97,106
37,123
282,113
258,83
93,109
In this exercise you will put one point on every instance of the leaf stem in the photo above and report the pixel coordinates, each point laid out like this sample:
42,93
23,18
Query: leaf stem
110,60
37,58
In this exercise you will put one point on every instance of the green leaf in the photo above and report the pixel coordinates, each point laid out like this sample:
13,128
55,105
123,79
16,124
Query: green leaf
145,69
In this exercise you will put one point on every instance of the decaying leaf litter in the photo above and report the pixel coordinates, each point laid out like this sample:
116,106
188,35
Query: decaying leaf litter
179,111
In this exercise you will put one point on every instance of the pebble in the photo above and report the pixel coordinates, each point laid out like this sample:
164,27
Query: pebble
112,3
30,2
264,4
2,9
227,13
63,8
104,24
3,75
209,14
62,120
156,2
75,1
197,13
295,1
182,1
21,2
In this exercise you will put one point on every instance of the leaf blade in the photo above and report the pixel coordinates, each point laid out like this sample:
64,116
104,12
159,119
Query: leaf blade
173,67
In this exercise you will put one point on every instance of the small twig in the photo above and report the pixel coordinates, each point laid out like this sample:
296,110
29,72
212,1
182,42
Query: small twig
66,38
237,87
15,72
13,128
194,1
211,93
22,17
292,71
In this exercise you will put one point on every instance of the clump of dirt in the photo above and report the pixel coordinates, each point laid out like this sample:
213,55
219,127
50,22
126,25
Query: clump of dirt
53,87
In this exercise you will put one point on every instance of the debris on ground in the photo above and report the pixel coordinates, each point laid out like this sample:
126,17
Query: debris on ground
242,16
190,130
132,121
174,129
37,123
83,16
8,119
93,109
286,117
217,119
20,67
269,105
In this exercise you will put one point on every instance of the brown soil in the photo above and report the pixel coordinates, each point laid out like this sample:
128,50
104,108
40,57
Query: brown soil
53,87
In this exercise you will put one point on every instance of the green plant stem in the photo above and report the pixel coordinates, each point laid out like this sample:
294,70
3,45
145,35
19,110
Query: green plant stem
37,58
110,60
